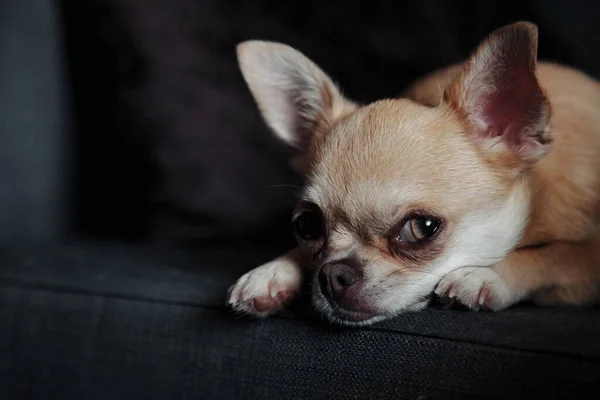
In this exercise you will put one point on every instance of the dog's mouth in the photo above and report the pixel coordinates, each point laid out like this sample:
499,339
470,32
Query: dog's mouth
366,316
336,314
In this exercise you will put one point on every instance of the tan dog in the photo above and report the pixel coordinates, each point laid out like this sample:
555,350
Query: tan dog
482,185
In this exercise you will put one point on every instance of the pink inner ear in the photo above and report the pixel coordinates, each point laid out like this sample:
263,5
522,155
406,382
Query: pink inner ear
515,109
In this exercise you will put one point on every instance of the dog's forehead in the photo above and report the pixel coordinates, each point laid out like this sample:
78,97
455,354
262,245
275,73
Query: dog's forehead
362,203
389,156
386,138
383,146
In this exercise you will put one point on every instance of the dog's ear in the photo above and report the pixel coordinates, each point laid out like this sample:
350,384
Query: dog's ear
499,96
295,97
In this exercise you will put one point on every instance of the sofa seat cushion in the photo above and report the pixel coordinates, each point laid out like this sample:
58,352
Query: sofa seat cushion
116,321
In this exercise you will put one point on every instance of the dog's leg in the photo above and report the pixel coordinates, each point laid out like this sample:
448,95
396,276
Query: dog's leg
560,273
265,289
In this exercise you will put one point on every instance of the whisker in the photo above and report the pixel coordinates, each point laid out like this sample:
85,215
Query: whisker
285,186
412,271
438,275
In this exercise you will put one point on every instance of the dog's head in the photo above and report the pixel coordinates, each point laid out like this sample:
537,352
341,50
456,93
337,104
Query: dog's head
397,193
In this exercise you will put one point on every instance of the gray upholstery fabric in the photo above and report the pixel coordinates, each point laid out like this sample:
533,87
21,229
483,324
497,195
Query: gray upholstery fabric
101,321
33,142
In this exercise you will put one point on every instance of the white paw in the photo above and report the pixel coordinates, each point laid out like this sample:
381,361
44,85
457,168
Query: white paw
475,288
265,289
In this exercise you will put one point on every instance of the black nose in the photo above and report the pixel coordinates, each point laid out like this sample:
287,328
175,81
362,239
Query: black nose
336,277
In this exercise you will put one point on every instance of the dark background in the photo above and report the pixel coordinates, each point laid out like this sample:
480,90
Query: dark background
169,144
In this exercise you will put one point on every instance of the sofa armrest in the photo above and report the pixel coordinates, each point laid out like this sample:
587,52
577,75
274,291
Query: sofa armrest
33,127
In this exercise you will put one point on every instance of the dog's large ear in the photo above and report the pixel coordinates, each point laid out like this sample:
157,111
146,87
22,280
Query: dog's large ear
498,94
296,98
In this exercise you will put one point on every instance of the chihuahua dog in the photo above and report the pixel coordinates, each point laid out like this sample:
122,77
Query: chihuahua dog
481,184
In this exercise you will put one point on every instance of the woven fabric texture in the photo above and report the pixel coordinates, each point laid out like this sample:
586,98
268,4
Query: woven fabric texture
108,322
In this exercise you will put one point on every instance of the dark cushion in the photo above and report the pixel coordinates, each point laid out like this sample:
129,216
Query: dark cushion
156,85
100,321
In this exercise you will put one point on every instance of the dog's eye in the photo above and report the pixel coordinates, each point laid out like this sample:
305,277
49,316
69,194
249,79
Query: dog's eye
308,224
417,229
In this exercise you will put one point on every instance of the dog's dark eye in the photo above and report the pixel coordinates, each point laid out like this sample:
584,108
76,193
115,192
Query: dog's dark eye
308,224
416,229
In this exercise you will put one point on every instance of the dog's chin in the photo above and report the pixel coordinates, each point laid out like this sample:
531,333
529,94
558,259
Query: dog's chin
340,316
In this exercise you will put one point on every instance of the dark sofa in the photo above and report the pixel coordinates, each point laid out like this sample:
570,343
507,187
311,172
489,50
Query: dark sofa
137,183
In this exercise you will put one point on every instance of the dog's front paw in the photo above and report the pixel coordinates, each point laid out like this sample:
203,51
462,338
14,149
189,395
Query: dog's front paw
265,289
475,288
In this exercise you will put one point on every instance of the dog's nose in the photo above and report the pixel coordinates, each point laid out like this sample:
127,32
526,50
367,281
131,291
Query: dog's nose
337,277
